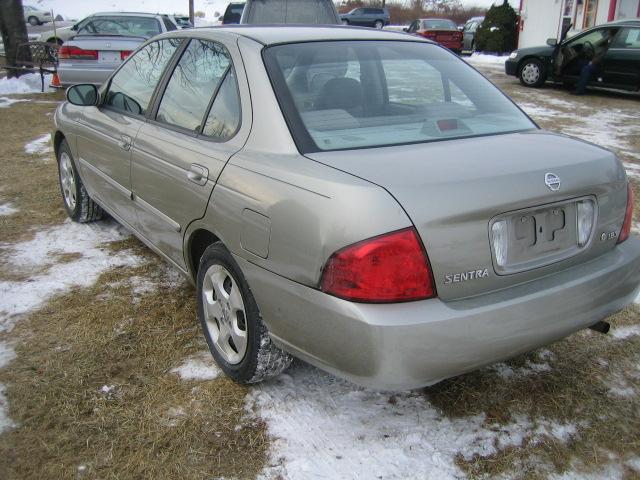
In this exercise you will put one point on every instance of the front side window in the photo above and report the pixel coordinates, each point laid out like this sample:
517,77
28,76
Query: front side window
131,88
193,84
360,94
125,25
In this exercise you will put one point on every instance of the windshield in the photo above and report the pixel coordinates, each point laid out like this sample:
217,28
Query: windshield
358,94
438,24
121,25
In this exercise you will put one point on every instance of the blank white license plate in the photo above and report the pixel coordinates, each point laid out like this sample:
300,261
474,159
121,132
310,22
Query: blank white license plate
109,57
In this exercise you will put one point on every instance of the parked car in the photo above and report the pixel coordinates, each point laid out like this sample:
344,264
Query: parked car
440,30
562,61
290,11
363,200
34,16
233,13
366,17
62,34
469,33
103,41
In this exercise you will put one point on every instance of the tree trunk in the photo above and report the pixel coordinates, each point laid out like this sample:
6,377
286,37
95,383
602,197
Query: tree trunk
191,13
13,29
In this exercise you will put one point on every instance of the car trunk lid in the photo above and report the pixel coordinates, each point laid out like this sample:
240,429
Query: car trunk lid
454,191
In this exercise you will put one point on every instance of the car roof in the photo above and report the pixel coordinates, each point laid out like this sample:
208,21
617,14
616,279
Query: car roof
621,22
276,34
137,14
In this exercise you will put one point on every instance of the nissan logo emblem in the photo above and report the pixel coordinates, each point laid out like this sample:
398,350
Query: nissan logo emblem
552,181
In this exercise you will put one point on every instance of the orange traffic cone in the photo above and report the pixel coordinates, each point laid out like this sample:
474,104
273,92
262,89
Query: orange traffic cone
55,81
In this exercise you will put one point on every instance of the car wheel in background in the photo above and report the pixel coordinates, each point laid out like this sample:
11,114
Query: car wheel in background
345,22
33,21
231,322
79,206
473,46
533,73
378,24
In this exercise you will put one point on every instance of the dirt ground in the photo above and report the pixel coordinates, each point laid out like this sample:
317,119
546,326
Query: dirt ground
104,374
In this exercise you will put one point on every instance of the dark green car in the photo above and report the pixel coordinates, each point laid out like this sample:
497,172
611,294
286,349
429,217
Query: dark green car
562,62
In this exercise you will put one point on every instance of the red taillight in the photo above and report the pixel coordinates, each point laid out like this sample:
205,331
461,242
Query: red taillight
125,54
628,216
430,35
389,268
76,53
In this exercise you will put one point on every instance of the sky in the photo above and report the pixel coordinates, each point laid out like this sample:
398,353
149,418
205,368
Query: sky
77,9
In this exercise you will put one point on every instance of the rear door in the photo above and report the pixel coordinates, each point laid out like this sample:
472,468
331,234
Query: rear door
196,126
104,143
622,61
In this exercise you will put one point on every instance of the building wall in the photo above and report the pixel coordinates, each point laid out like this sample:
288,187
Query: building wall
540,20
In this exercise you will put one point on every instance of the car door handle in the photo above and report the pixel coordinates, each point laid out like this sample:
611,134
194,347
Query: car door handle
198,174
125,142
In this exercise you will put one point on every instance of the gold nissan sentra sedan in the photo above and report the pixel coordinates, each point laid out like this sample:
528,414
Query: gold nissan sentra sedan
363,200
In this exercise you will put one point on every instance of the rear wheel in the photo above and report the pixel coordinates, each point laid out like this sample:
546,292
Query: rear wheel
378,24
533,73
231,322
345,22
33,21
79,206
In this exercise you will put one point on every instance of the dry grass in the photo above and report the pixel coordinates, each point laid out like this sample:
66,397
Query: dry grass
152,425
28,182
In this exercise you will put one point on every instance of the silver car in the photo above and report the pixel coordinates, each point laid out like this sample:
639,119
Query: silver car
101,42
361,199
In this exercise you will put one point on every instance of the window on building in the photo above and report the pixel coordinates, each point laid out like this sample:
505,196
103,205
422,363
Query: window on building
590,10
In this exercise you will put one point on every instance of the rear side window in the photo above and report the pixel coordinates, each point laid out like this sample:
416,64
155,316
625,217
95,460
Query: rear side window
291,11
131,88
361,94
192,85
224,118
628,38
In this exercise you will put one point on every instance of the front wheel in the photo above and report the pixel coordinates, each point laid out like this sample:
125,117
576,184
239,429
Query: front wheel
345,22
33,21
231,322
533,73
378,24
77,202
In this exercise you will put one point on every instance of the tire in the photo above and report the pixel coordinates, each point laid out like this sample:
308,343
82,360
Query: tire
231,322
345,22
55,40
379,24
79,206
532,73
33,21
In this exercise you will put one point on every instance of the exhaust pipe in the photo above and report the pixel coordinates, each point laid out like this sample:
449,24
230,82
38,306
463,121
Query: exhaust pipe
601,326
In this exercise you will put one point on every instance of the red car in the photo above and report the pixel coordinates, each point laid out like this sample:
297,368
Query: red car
440,30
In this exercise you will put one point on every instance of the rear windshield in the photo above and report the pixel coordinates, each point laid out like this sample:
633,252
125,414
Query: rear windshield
121,25
291,11
439,24
359,94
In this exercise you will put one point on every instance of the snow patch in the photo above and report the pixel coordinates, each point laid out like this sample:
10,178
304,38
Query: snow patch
6,354
39,146
28,83
6,102
5,421
39,256
507,372
6,209
622,333
485,59
199,366
537,110
325,427
612,471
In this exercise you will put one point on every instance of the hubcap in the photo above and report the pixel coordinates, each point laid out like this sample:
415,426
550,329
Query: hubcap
224,314
530,73
68,181
378,24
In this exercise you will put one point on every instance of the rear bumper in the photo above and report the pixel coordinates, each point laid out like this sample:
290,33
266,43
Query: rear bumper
408,345
71,74
456,46
511,67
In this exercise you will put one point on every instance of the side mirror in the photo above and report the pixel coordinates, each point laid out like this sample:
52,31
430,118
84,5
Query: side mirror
552,42
460,28
83,95
405,29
